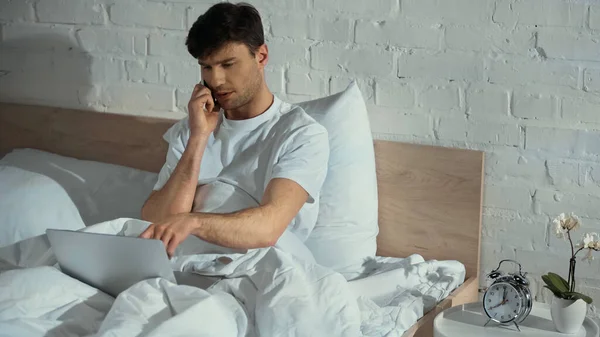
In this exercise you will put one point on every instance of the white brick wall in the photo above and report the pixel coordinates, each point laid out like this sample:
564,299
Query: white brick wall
143,71
443,98
356,61
595,17
16,11
394,94
112,41
397,33
448,65
327,28
153,15
440,11
566,44
302,83
519,70
540,12
71,11
291,25
168,45
35,38
487,101
533,106
592,80
368,8
519,79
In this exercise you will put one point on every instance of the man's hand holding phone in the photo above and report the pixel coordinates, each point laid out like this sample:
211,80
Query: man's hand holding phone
203,112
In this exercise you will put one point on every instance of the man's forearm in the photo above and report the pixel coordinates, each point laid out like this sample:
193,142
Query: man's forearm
177,196
250,228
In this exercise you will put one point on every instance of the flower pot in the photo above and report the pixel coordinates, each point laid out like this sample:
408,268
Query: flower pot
568,315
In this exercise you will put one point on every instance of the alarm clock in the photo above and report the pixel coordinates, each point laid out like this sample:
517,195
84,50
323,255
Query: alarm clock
508,299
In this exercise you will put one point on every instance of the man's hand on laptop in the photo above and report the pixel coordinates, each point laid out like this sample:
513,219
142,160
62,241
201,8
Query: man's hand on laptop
171,231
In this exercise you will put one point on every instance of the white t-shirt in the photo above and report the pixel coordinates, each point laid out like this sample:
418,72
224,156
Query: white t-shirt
242,156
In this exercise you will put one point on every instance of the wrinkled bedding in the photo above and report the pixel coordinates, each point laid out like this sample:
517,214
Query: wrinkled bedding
265,292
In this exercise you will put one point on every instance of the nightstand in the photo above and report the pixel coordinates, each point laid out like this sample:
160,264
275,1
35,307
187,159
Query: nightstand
467,320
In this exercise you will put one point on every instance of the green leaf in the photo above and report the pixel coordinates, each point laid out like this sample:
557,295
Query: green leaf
553,289
564,282
578,296
555,292
555,281
546,280
549,284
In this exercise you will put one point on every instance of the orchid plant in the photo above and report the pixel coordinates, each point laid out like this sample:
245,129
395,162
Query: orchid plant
561,288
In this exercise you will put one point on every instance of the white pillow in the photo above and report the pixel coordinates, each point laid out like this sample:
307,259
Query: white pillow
30,203
346,230
100,191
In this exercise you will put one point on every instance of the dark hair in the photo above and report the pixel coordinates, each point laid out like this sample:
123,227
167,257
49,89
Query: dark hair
223,23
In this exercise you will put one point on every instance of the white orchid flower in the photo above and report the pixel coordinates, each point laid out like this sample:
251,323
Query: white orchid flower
559,230
572,222
565,223
590,240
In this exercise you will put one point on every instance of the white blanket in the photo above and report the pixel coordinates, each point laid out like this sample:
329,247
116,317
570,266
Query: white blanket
267,292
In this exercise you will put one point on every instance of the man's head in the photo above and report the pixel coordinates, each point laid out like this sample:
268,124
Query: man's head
228,42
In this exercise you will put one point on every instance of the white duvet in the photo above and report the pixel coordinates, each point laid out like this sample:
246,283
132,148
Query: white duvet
266,292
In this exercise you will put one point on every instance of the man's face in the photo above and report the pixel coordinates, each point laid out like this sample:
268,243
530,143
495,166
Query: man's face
233,74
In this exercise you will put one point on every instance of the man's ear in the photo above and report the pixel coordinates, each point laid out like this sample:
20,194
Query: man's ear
262,55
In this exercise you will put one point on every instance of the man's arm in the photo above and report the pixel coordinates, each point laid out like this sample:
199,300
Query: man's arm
249,228
177,196
254,227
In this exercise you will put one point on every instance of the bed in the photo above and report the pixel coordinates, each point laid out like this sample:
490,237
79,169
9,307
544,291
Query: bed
439,219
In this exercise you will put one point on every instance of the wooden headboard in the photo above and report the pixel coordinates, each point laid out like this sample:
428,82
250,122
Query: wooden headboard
429,197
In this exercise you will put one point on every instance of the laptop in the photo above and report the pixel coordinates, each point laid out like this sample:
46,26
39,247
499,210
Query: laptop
113,263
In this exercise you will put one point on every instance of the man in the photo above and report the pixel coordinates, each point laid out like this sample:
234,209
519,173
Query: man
237,132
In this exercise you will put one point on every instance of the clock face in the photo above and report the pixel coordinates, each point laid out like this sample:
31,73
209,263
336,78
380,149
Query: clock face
502,302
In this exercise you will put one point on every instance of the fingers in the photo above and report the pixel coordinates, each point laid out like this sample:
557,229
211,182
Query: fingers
147,234
197,89
158,232
210,104
173,243
153,231
165,233
202,96
200,92
166,236
162,233
217,108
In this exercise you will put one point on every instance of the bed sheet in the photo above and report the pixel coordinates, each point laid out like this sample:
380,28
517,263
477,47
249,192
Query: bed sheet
266,292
